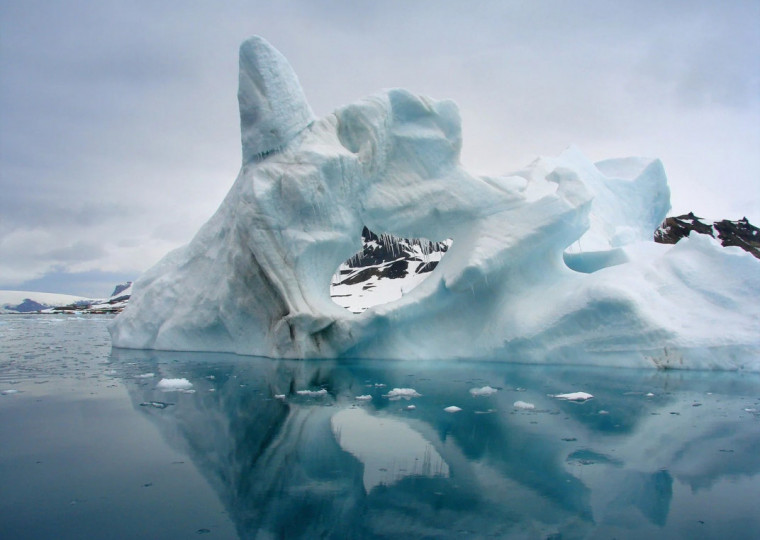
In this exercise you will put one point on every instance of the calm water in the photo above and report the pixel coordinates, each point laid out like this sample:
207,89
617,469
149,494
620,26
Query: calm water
93,447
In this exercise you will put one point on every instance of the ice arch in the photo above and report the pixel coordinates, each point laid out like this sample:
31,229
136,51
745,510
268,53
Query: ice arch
385,269
255,279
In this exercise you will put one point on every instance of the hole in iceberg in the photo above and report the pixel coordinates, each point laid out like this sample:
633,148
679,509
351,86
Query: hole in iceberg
385,269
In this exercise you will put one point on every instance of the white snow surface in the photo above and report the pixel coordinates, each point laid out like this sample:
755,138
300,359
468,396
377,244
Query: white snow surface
553,263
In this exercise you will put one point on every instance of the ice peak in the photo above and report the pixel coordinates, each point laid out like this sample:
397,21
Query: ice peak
273,108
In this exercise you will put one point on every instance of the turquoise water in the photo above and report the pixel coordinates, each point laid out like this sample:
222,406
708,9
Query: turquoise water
93,446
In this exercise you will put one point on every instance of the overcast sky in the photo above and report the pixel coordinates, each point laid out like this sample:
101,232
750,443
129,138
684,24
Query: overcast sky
119,130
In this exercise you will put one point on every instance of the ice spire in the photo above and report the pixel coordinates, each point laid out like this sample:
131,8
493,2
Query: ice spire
273,108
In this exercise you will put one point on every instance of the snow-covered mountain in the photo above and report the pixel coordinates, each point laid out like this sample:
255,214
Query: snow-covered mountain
37,302
384,270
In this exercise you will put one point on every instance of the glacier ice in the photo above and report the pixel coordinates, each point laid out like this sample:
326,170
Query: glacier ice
552,263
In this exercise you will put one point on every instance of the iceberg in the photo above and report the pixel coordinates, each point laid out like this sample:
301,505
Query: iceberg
554,263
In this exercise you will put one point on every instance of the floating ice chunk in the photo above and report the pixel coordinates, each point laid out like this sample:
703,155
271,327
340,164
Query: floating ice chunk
9,392
410,407
574,396
145,376
279,396
156,404
402,393
174,385
452,409
312,393
649,394
485,391
524,405
365,397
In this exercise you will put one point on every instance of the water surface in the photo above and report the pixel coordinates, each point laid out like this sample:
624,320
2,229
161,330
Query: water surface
95,445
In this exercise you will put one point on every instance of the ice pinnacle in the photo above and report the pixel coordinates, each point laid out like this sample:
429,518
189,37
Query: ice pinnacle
273,108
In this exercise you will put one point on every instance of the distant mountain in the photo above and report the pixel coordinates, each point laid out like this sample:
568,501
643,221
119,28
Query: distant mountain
739,233
385,269
36,302
30,301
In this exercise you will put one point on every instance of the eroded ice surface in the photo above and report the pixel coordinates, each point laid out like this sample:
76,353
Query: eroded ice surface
553,263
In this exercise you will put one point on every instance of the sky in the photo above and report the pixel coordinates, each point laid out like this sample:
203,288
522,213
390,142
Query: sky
119,128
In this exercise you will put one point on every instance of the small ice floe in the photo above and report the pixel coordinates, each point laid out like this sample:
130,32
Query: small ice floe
174,385
9,392
603,412
649,394
489,411
485,391
379,385
402,393
365,397
573,396
312,393
279,396
523,405
410,407
145,376
452,409
156,404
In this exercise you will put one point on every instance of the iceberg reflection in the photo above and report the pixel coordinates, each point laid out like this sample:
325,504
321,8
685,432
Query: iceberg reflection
318,449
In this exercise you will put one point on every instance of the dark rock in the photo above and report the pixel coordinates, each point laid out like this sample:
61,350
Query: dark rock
122,287
739,233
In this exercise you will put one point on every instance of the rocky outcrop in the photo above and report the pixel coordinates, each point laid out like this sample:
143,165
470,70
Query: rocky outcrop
740,233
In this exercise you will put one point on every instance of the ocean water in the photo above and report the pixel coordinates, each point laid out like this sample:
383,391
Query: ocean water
102,443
